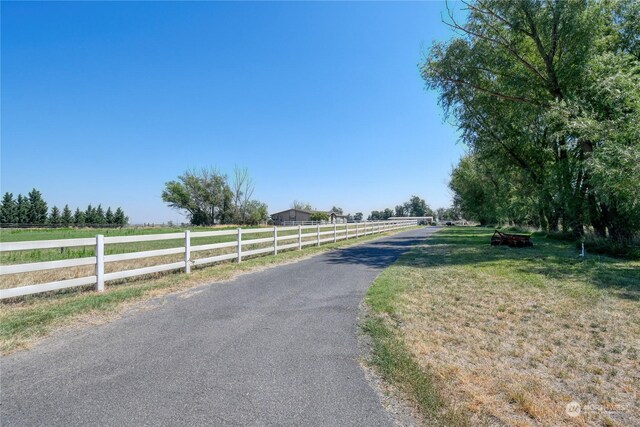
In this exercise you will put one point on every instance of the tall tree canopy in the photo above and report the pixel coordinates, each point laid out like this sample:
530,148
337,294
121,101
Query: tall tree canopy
298,204
200,193
207,197
547,96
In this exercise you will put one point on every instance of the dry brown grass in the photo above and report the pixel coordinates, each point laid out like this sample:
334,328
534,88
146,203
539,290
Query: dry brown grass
23,279
515,335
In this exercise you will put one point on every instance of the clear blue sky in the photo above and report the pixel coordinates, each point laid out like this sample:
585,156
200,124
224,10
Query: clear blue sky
322,102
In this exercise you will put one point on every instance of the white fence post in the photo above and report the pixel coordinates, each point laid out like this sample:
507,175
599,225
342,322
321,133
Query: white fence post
275,240
98,279
100,263
187,251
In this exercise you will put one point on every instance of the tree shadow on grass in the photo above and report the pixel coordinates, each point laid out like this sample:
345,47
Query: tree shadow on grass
470,246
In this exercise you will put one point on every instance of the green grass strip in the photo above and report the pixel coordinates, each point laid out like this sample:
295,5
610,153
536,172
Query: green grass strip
390,356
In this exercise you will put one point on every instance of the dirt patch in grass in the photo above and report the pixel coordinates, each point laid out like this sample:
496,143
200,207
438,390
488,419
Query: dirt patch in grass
512,336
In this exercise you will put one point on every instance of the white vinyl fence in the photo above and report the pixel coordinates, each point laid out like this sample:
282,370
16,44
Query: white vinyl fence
306,235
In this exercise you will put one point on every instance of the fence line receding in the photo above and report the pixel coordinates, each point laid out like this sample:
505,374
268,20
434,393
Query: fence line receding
278,239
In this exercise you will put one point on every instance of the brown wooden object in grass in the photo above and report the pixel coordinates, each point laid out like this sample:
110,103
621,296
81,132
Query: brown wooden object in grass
512,240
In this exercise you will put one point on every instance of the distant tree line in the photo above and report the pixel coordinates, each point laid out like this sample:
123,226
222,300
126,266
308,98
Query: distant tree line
415,206
300,205
33,210
209,197
452,213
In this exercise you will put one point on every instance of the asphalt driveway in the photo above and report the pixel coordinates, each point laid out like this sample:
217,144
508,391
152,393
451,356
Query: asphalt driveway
275,347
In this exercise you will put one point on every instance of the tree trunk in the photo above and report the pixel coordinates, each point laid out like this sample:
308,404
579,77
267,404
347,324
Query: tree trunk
598,216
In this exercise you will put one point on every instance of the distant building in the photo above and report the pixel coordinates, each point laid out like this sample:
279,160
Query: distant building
295,216
420,219
335,217
291,215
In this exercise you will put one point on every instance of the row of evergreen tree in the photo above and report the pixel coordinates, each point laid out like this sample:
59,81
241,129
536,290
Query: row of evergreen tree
33,210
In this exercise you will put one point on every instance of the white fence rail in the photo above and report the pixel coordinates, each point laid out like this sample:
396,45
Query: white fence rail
314,235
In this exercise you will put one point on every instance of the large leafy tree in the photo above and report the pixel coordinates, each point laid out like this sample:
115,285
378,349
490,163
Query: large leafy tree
256,212
533,85
477,190
417,206
200,194
319,216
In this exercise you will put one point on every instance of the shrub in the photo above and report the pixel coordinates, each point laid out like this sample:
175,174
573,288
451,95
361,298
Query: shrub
319,216
563,236
629,249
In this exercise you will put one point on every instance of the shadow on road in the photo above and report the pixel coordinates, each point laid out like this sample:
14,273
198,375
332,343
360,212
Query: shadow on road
378,254
401,241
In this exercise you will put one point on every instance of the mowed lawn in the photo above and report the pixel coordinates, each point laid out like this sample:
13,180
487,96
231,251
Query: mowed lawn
482,335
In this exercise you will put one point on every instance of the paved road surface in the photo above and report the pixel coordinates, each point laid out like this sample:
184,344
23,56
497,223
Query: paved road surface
276,347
